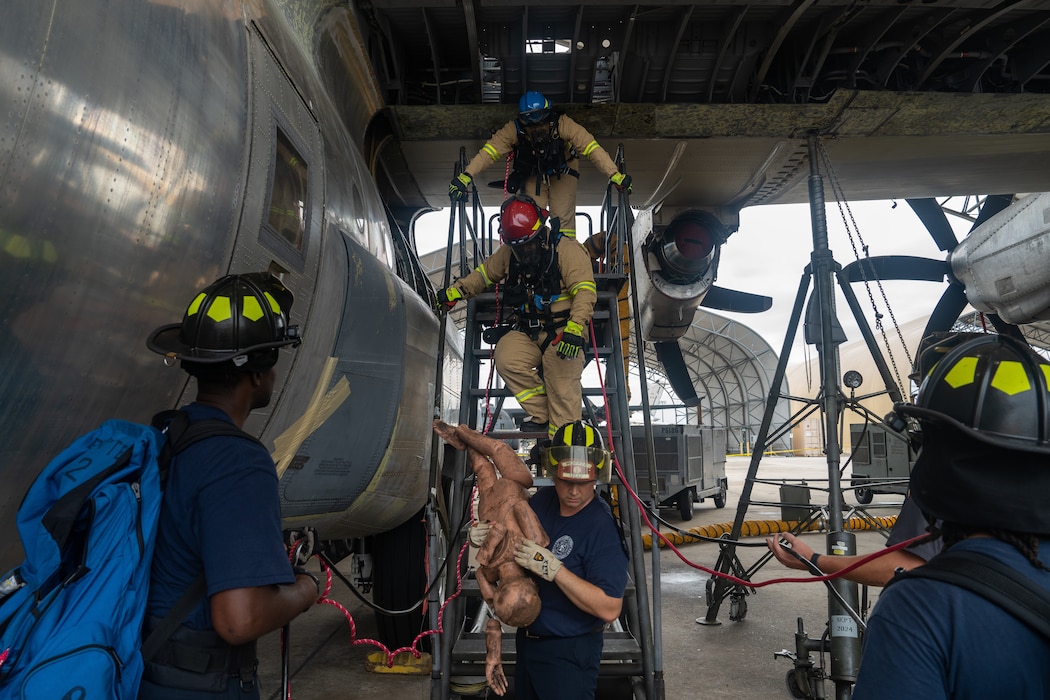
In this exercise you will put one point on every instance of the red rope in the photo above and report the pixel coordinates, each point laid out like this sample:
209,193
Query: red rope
413,647
670,545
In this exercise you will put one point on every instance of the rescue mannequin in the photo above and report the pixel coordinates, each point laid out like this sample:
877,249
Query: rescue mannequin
504,521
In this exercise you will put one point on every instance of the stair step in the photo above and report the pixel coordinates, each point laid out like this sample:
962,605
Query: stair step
618,646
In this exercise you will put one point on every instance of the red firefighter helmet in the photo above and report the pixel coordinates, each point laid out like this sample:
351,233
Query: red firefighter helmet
520,220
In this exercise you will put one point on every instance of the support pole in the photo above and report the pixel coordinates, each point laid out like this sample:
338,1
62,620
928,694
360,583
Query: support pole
844,632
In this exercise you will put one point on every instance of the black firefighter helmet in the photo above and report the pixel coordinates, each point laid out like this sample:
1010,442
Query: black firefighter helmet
241,319
577,453
984,412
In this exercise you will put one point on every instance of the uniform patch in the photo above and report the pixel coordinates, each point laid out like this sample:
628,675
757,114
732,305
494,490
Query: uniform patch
562,547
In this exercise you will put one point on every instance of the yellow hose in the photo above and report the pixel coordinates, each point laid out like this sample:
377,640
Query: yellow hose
762,528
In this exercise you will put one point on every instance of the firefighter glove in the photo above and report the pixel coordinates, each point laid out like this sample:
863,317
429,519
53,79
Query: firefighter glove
459,187
570,341
449,297
622,182
537,559
477,533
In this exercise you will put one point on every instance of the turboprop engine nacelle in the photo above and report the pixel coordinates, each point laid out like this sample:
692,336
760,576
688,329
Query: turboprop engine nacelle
1004,263
676,266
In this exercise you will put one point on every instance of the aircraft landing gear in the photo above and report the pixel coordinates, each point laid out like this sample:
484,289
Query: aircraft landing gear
805,681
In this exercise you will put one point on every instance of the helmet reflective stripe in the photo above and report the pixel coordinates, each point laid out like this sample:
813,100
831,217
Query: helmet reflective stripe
195,305
962,373
251,308
219,310
1009,377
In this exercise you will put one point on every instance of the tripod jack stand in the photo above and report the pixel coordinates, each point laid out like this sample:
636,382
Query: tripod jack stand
844,644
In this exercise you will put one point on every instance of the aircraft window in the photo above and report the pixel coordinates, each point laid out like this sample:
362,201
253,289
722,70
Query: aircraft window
548,45
289,195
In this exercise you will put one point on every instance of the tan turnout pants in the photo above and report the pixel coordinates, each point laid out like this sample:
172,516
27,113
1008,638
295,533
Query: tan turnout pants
557,397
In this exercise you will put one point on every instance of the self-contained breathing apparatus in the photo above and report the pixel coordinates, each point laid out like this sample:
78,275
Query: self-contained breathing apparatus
533,283
540,151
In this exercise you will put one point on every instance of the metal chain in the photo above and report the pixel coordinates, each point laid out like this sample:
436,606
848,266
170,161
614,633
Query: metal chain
851,227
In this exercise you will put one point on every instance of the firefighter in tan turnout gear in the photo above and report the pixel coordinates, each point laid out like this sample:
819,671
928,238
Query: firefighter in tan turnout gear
547,146
548,297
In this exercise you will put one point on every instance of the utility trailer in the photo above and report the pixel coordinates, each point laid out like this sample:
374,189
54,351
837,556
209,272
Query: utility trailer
690,465
882,460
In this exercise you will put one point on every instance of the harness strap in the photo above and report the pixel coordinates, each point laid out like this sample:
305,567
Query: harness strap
992,580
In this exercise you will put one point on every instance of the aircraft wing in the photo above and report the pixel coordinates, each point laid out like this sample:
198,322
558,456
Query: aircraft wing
881,145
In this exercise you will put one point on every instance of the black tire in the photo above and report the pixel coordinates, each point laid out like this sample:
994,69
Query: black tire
793,687
399,581
685,504
720,497
864,496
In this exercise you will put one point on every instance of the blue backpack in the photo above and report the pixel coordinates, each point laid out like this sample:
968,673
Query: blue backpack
71,614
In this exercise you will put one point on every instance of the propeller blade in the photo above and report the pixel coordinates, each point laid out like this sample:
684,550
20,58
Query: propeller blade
947,311
722,299
932,217
670,356
1007,329
897,267
993,204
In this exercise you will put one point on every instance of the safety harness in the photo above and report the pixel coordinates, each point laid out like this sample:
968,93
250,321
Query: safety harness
542,157
529,293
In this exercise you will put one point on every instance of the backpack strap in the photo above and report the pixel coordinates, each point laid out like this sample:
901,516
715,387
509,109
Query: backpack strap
991,579
181,435
178,612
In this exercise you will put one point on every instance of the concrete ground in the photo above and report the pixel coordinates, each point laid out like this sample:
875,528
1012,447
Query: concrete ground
734,660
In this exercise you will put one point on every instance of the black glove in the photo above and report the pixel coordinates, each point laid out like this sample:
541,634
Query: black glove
570,341
459,188
622,182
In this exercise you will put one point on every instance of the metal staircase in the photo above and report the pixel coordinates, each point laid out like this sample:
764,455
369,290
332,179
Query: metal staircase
629,657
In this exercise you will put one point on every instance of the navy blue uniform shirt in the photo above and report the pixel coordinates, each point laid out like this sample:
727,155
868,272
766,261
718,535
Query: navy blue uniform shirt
221,514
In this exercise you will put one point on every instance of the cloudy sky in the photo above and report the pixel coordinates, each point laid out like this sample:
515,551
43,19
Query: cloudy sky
774,244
